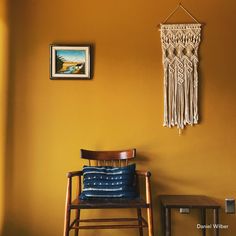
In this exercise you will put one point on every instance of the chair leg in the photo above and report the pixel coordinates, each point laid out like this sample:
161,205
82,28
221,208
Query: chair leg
67,223
77,215
139,213
150,221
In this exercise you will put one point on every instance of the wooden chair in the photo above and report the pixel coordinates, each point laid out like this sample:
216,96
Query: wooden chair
103,158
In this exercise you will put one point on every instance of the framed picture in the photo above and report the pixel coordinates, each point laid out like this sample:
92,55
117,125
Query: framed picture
69,62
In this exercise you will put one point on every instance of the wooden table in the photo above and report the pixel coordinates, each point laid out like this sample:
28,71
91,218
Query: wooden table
188,201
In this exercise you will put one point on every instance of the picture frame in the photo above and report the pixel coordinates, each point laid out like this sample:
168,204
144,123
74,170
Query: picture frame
70,62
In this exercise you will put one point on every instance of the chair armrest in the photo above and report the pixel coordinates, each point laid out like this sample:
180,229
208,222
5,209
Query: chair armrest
69,185
74,173
143,173
147,175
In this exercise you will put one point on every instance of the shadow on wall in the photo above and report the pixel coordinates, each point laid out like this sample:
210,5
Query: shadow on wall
201,91
143,163
15,202
160,182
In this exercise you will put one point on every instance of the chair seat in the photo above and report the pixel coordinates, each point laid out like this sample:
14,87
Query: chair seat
99,203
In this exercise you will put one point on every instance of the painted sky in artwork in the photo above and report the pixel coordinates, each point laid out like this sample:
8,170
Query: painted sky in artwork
72,55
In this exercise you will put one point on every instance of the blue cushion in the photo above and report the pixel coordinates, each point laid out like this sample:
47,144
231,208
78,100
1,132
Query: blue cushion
108,182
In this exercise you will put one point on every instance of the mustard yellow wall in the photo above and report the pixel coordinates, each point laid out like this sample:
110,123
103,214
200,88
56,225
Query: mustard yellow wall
121,107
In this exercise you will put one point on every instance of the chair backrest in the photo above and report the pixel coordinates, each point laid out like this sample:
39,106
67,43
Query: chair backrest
111,158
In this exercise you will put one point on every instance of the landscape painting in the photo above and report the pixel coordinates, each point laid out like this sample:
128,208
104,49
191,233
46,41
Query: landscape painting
70,62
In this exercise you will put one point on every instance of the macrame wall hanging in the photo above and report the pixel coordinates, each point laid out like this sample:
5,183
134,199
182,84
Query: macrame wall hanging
180,44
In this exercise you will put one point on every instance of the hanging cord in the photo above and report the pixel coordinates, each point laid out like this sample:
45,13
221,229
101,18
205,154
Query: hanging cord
183,8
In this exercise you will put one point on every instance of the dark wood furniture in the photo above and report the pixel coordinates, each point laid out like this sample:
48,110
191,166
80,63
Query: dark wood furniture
111,158
203,203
